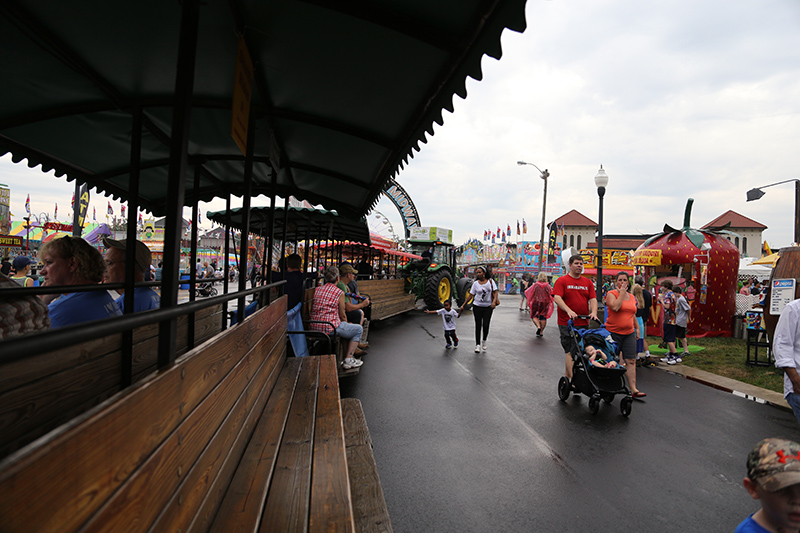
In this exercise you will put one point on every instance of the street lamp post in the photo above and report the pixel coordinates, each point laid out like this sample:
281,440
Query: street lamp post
600,181
544,174
755,194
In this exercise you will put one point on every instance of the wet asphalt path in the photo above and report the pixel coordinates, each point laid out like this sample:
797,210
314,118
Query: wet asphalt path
470,442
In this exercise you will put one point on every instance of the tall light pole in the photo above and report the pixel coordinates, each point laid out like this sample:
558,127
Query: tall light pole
600,181
544,174
755,194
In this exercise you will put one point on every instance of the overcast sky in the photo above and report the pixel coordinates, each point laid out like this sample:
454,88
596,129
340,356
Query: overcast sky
676,99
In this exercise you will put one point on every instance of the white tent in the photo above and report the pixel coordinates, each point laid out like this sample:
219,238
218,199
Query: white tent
750,271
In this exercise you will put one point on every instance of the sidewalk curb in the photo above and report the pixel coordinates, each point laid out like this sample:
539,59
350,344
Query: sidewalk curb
737,388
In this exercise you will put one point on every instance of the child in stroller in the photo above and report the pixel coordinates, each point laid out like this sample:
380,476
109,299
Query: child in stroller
595,372
598,358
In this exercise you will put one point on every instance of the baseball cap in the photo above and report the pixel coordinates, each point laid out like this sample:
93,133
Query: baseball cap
21,261
143,256
346,268
774,464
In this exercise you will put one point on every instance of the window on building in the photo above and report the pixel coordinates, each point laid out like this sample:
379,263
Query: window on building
744,244
572,240
564,242
579,242
736,242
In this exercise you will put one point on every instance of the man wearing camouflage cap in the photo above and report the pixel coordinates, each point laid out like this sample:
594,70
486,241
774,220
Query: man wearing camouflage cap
773,477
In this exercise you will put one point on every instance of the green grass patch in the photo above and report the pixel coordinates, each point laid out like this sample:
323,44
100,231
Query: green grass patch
726,357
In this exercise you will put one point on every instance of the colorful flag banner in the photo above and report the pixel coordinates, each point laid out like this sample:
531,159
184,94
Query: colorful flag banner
94,214
518,227
55,214
122,209
524,226
508,230
110,209
28,204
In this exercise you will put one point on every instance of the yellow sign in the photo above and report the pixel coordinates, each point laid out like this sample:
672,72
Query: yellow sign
242,89
647,257
612,259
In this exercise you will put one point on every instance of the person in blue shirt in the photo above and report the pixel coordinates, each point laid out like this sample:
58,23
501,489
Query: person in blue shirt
773,477
144,298
73,261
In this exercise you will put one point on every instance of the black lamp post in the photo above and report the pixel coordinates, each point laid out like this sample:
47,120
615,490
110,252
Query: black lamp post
755,194
600,180
544,175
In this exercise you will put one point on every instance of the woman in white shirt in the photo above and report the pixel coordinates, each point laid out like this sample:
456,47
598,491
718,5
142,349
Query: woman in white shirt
483,295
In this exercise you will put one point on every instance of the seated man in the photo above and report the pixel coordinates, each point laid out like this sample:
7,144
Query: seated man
353,302
329,307
144,298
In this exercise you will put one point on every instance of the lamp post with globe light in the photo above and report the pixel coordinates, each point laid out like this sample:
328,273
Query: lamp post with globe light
600,181
544,174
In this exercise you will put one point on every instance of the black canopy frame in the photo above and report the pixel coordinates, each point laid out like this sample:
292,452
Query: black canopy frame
129,97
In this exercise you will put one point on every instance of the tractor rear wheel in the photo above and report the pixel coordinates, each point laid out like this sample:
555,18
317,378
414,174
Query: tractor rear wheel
462,289
438,289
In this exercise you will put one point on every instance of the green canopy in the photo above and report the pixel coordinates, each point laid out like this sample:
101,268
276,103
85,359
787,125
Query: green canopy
343,91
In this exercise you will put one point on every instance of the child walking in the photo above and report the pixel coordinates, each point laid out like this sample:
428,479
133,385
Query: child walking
449,316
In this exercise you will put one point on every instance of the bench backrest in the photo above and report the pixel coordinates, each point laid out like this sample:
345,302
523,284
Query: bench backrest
379,289
43,391
158,454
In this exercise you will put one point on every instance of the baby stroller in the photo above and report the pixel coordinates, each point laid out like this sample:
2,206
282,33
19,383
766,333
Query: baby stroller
206,289
595,382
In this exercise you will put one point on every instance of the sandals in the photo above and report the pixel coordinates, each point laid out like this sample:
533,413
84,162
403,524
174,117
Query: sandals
638,394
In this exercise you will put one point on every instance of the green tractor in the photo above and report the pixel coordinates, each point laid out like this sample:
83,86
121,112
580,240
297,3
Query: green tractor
432,277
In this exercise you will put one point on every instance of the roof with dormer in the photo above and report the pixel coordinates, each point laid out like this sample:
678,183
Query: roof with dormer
574,218
736,220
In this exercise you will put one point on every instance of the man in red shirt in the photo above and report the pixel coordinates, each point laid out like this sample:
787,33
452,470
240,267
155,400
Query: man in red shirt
574,295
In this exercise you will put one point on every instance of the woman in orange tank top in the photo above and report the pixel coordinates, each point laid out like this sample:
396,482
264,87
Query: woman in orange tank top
622,325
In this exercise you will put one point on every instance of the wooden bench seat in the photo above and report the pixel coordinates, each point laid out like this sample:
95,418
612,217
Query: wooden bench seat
388,296
44,390
369,504
231,434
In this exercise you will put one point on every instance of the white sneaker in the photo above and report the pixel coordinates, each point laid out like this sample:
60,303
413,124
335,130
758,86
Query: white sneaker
478,349
483,346
350,362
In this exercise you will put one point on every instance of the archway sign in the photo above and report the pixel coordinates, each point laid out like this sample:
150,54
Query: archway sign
402,201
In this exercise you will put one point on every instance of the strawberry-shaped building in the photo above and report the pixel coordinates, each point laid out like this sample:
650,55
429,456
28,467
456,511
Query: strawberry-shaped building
704,257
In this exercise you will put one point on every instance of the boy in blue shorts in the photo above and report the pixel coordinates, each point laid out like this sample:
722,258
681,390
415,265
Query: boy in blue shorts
449,316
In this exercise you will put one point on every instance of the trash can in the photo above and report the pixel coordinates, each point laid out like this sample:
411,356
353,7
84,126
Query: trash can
184,286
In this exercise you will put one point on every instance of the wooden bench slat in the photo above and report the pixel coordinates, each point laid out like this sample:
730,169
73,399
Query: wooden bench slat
244,500
138,502
287,505
199,496
369,504
331,508
129,426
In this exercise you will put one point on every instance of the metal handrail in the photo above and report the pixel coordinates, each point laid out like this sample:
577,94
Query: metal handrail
18,348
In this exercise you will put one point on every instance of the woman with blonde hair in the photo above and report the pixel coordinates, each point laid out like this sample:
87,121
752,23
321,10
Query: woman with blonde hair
73,261
540,301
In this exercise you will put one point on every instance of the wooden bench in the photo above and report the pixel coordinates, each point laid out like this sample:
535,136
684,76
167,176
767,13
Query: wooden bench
43,391
231,436
388,296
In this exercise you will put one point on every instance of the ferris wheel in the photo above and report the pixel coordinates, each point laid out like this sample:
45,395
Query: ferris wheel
378,223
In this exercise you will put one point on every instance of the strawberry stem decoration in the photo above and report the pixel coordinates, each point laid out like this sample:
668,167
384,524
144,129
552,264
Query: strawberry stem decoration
695,236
